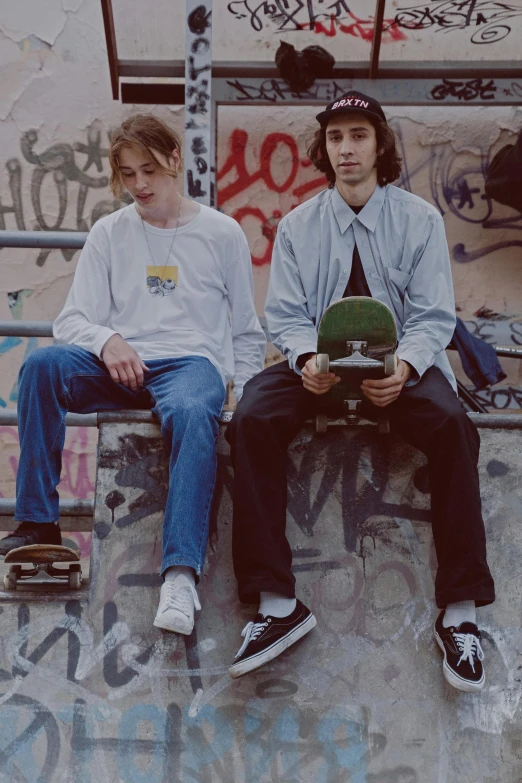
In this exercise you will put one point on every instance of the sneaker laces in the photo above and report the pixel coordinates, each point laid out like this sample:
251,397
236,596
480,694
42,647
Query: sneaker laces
182,598
250,633
469,647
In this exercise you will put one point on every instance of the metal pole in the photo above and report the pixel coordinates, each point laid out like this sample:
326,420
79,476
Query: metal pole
26,328
112,49
9,418
198,103
73,508
213,153
52,239
465,395
377,37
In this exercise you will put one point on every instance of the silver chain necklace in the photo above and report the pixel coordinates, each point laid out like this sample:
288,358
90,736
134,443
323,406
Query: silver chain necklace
158,290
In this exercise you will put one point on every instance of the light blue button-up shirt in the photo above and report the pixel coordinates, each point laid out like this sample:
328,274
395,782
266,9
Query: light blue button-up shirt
404,254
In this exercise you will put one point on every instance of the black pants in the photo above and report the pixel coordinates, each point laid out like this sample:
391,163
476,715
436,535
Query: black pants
428,415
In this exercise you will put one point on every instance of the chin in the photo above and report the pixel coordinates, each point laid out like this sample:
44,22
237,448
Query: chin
349,179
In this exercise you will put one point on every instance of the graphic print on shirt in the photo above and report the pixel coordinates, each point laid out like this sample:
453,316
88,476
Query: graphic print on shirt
163,284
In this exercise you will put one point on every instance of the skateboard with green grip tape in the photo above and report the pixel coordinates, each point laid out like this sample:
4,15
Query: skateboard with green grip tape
357,338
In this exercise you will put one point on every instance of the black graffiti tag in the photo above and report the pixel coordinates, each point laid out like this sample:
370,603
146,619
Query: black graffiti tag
59,162
490,21
289,15
470,90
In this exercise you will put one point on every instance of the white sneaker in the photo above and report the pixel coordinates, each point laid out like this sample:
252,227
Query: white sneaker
176,607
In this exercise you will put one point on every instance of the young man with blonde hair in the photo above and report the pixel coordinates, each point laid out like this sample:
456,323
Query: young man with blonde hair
160,315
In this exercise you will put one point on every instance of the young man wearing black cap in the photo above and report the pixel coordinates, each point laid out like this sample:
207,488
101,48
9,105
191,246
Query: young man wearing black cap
361,236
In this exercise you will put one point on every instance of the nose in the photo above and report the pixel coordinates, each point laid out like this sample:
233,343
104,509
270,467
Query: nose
346,145
141,182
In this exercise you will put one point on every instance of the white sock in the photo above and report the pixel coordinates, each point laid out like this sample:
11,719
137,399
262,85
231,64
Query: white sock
459,612
276,605
175,571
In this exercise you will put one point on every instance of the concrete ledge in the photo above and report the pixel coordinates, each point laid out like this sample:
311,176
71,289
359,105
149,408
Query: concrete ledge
361,699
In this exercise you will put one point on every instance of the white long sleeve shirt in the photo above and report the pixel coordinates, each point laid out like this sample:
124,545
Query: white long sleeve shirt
198,301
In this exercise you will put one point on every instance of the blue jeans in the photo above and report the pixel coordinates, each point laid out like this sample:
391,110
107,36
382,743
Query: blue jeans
186,394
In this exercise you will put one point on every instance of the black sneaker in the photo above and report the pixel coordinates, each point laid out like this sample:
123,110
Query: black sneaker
31,533
463,655
267,637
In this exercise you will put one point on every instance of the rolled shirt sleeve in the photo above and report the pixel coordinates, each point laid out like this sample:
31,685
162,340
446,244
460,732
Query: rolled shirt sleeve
429,305
290,326
248,338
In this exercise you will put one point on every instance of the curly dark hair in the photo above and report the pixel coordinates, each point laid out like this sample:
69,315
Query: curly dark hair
389,162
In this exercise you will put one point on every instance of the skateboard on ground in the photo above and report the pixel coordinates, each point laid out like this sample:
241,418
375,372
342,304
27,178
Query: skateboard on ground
41,558
356,340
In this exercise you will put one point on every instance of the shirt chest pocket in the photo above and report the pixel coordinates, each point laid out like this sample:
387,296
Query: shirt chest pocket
398,279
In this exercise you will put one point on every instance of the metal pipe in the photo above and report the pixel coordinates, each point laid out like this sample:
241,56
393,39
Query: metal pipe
51,239
112,49
9,418
377,38
465,395
26,328
493,421
125,417
72,508
514,351
507,350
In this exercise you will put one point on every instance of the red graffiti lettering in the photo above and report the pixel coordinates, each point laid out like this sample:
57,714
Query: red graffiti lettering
268,230
359,28
236,163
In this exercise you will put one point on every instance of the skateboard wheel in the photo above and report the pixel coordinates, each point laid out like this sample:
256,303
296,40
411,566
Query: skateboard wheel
321,422
10,580
75,577
322,362
390,364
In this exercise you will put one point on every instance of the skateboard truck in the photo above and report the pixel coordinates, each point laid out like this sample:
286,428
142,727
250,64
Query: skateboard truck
41,559
355,360
352,408
356,340
356,346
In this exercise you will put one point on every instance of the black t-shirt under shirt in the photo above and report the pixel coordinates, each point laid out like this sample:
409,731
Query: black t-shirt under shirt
356,286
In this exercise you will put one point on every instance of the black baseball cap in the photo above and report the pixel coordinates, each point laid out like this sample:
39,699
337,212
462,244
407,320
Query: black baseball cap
352,101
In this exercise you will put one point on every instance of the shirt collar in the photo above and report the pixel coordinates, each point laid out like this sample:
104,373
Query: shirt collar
368,215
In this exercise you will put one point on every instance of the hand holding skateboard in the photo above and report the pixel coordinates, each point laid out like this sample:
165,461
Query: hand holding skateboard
384,392
315,381
356,343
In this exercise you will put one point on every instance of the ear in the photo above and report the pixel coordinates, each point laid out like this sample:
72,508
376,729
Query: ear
175,159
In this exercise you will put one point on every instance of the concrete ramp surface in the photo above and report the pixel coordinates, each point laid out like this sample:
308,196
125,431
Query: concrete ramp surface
90,691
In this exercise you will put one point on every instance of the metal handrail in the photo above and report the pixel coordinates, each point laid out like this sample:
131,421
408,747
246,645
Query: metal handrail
26,328
9,418
61,240
70,508
45,329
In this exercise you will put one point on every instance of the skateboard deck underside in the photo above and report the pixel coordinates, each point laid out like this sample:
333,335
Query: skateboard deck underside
37,553
27,563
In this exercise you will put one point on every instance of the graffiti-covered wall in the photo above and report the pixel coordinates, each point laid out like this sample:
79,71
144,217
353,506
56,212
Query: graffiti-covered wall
56,112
